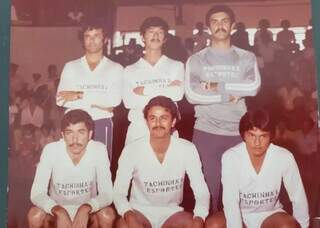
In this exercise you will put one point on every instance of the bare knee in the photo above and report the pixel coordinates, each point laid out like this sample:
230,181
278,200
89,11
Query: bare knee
106,217
36,217
121,223
216,221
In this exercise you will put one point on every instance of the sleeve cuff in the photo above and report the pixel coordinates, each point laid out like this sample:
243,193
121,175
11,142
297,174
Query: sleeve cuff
94,205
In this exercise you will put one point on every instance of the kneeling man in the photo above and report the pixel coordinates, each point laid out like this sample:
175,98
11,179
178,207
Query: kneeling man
157,165
72,187
252,174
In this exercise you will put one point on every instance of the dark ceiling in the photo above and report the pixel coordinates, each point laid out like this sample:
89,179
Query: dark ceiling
157,2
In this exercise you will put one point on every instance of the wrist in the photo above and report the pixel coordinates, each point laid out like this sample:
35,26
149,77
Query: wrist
79,95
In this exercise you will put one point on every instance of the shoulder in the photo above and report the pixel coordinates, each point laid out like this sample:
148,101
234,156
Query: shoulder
96,147
281,153
112,64
234,153
172,62
244,53
133,66
53,149
196,57
74,63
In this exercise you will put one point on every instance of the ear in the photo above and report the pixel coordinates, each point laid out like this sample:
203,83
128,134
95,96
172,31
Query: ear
62,134
233,25
90,134
174,123
105,41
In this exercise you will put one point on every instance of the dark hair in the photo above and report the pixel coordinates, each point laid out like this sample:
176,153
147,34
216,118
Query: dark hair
264,23
285,23
220,8
258,118
77,116
164,102
91,24
154,22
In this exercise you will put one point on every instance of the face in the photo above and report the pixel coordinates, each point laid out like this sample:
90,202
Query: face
220,26
257,141
76,137
154,38
160,122
94,41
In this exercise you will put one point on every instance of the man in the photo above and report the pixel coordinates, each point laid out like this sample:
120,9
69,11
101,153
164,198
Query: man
252,174
157,166
152,75
217,80
72,186
93,83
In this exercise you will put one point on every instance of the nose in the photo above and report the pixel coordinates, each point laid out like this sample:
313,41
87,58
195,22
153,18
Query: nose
257,141
157,122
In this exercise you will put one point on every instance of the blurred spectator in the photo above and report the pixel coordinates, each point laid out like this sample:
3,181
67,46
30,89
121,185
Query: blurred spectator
32,113
174,49
201,38
22,166
285,37
76,15
189,46
263,31
240,38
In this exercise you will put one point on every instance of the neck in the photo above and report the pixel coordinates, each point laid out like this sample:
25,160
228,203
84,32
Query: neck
159,144
225,44
94,57
76,157
152,56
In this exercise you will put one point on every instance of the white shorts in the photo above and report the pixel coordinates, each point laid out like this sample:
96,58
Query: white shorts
255,220
157,216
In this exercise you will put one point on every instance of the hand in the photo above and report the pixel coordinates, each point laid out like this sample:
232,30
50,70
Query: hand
62,217
66,96
233,99
175,83
132,220
108,109
197,222
210,86
139,90
82,217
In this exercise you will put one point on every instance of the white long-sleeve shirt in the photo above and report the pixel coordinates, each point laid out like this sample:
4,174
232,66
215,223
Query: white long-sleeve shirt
158,184
246,192
102,86
155,80
59,182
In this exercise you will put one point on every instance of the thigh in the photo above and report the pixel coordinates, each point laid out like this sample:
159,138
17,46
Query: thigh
279,220
178,219
217,220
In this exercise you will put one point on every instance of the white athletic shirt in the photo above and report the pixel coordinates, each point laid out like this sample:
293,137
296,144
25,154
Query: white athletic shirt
71,185
155,80
156,184
246,193
102,86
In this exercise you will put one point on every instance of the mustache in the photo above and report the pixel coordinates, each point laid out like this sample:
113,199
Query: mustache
75,144
155,40
155,128
221,30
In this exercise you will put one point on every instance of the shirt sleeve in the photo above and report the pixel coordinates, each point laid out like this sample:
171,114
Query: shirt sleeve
194,91
230,195
104,183
250,83
198,184
130,99
39,190
122,182
294,186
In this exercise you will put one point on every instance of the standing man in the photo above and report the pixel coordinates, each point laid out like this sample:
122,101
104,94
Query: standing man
72,187
252,174
157,165
152,75
93,83
218,78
